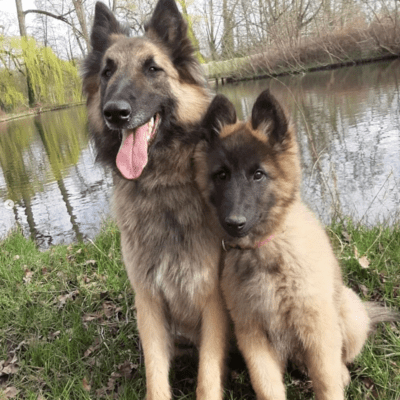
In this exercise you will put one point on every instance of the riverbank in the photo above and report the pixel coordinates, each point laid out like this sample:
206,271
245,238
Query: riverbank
38,110
68,321
338,48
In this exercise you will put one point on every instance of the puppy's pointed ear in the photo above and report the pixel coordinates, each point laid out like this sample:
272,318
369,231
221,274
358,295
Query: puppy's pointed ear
104,25
220,112
267,115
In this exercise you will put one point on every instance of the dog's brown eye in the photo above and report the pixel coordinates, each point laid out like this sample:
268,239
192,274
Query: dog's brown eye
107,73
258,175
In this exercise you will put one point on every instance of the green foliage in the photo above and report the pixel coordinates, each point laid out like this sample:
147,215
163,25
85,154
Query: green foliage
53,81
10,96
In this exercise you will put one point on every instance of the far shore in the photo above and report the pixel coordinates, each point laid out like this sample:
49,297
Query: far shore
37,110
229,71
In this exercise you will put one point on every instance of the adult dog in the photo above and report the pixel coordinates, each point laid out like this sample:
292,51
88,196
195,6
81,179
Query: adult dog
282,283
144,96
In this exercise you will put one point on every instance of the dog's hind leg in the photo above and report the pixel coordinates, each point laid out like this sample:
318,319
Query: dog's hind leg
156,342
213,348
264,364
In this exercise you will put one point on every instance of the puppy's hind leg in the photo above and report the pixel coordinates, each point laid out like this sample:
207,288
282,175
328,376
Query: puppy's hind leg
156,342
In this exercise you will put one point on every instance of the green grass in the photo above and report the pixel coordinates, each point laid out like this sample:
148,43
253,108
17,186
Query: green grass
68,330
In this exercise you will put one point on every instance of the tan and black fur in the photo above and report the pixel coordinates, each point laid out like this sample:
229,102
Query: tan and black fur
281,280
170,250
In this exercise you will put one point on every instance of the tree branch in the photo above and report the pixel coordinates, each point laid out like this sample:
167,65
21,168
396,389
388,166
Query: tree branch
59,17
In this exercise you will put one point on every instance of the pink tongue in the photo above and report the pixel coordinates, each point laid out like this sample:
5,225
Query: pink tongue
132,155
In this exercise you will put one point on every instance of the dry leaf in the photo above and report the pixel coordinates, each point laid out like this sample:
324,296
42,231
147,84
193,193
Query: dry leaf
91,317
86,385
54,335
364,289
90,262
355,252
62,299
27,276
9,367
10,392
92,348
364,262
346,236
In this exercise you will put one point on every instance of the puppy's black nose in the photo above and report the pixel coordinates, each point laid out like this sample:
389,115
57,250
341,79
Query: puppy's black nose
117,112
236,222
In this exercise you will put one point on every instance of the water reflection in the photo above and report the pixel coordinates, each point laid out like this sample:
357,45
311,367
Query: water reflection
47,169
348,128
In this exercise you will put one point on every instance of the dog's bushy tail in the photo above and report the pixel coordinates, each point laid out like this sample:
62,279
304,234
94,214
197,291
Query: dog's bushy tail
378,313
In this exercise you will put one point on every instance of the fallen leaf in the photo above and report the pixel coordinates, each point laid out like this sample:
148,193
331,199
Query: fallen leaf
54,335
62,299
86,385
125,369
90,262
355,252
364,289
27,276
92,348
10,392
110,309
9,367
346,236
92,316
364,262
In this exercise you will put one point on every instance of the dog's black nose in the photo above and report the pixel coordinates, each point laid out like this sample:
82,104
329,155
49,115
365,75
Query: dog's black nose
117,112
236,222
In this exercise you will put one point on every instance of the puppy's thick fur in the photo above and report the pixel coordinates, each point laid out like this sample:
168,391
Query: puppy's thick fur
281,280
150,89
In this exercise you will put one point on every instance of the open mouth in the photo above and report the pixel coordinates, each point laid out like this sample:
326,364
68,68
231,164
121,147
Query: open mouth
133,153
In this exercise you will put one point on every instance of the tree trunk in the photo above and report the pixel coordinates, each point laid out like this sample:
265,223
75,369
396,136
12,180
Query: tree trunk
80,13
21,18
22,31
228,45
211,39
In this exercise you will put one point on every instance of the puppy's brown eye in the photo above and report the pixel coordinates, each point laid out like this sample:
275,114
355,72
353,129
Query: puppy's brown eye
222,175
258,175
154,69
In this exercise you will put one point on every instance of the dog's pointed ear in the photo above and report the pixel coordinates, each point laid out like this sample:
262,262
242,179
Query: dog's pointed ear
167,23
104,25
268,115
220,112
168,26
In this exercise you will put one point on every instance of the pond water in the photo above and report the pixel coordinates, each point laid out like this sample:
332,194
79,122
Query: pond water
347,122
